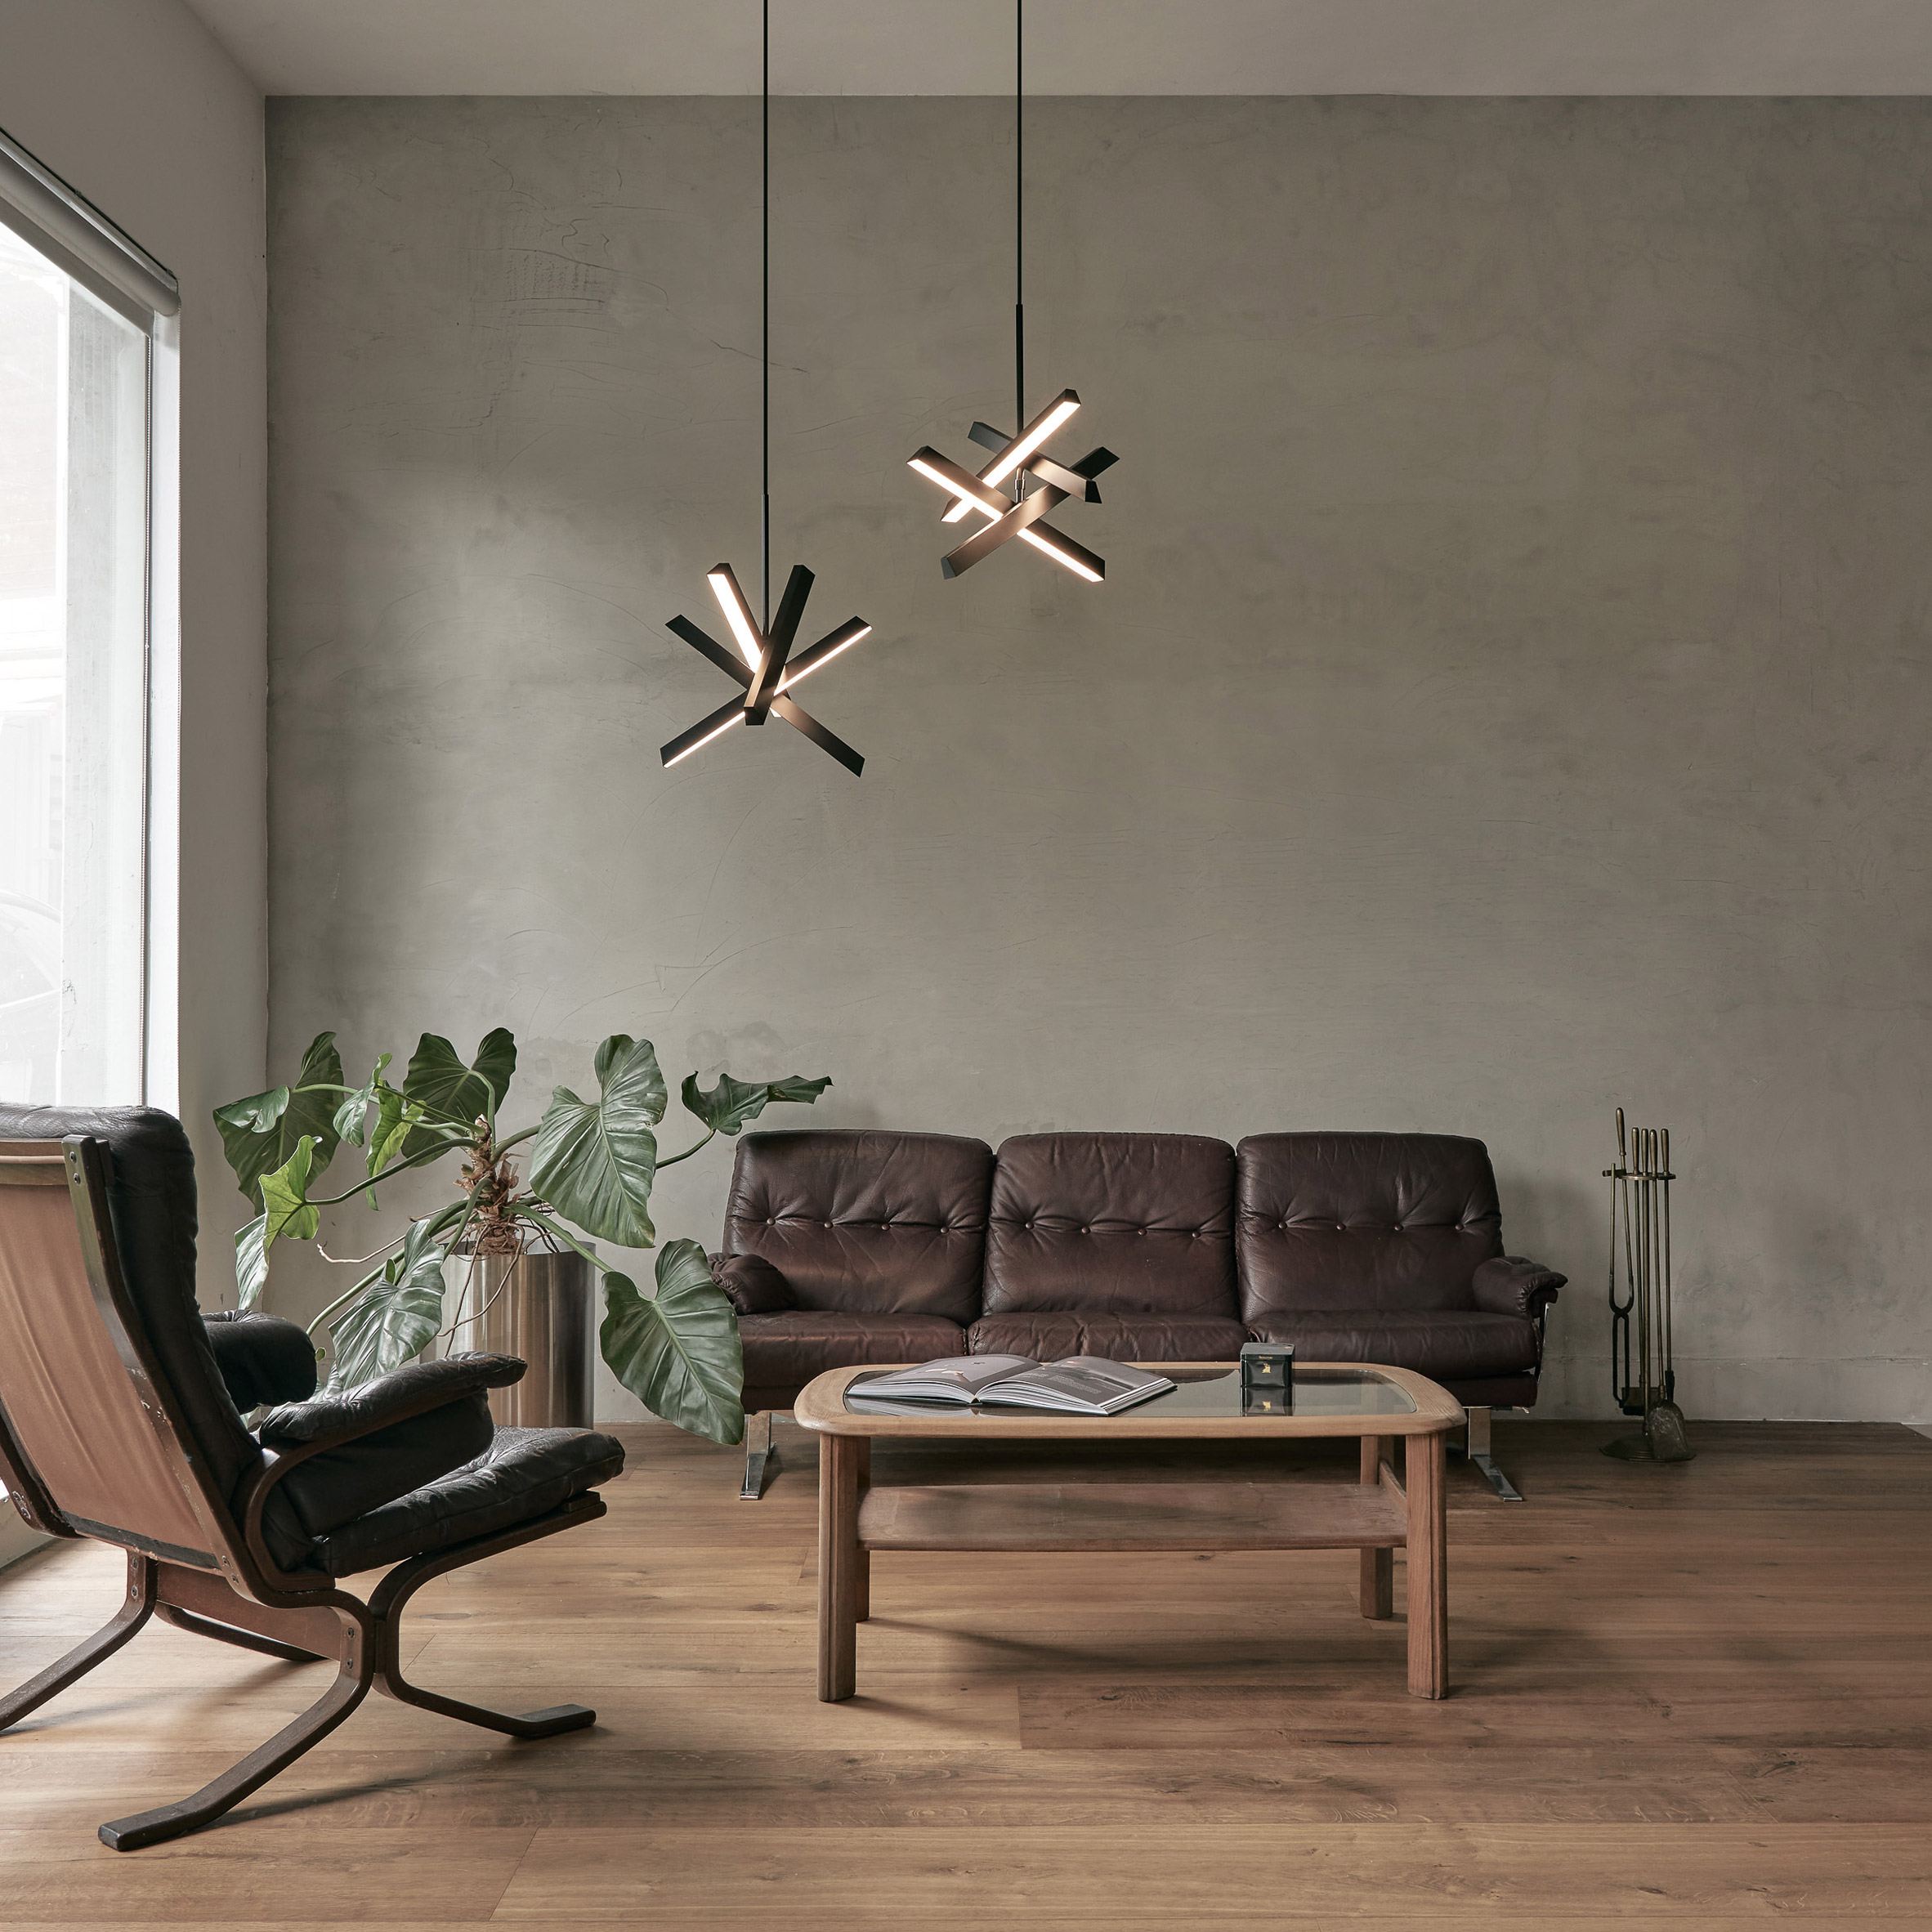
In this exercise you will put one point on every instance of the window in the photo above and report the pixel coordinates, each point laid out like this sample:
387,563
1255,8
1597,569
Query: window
76,378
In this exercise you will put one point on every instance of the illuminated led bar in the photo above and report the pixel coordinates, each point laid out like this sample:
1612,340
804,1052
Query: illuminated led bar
700,735
730,599
1013,456
1063,550
822,653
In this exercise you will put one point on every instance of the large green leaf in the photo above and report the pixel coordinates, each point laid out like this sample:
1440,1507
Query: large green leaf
352,1116
395,1118
396,1318
251,1261
288,1213
285,1201
438,1080
259,1134
594,1161
731,1103
678,1352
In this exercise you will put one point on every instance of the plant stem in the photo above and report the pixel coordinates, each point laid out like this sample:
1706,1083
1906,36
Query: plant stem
376,1180
672,1160
564,1235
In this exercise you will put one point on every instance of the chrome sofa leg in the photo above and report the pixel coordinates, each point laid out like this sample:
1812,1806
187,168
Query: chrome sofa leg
1477,1449
759,1455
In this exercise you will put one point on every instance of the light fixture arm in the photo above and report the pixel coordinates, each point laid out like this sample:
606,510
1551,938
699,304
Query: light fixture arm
1019,225
765,316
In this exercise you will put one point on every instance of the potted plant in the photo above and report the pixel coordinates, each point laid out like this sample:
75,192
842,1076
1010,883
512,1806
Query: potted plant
591,1164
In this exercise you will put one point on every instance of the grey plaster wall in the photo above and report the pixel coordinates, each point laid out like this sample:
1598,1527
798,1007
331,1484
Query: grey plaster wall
1507,700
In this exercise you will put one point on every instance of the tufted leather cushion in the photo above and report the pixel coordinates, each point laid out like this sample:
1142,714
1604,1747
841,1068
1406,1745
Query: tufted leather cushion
1122,1338
524,1472
1111,1224
262,1358
1444,1343
866,1222
786,1351
751,1284
150,1194
1362,1221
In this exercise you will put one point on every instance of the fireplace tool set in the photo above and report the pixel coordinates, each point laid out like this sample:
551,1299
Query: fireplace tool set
1640,1225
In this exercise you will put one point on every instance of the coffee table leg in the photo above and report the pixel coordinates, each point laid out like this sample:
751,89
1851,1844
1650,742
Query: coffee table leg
1428,1567
863,1590
1378,1565
839,1555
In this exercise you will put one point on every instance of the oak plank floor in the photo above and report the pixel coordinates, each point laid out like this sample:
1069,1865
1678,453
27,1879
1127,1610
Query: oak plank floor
1698,1695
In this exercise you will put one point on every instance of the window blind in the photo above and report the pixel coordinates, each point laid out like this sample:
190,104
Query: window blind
44,211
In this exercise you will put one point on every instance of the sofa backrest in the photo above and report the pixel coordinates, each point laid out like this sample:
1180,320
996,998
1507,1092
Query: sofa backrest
1111,1223
878,1223
1362,1221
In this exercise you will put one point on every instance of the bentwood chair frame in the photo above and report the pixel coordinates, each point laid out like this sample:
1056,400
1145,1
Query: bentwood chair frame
193,1560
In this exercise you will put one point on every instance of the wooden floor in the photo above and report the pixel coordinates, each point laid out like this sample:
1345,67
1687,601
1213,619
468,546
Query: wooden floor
1698,1696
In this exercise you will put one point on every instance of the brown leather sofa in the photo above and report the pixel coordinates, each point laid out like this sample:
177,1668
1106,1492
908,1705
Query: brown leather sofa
1147,1247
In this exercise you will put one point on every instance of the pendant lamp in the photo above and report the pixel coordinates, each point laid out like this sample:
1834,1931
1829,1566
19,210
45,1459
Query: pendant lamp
762,665
1015,490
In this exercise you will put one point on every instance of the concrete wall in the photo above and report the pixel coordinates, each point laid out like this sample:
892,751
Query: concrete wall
1507,700
135,103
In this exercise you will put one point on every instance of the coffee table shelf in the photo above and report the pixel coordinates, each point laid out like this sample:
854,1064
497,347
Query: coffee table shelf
1089,1516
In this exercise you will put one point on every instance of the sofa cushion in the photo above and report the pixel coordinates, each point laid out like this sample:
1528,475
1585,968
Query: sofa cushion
1111,1224
1049,1335
866,1222
751,1284
1442,1343
1362,1221
523,1474
786,1351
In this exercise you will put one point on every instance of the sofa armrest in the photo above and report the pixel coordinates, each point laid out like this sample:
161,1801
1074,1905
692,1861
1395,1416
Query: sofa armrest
1512,1285
329,1420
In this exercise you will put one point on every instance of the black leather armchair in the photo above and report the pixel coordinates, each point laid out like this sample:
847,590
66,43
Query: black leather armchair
121,1419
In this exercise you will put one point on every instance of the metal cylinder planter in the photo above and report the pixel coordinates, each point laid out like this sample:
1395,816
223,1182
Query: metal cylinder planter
542,1310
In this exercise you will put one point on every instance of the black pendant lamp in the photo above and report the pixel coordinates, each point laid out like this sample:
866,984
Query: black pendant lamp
1014,491
762,664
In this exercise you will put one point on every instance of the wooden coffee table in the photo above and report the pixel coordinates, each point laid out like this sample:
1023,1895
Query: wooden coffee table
1378,1515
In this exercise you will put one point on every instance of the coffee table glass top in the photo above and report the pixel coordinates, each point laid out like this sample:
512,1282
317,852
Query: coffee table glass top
1316,1391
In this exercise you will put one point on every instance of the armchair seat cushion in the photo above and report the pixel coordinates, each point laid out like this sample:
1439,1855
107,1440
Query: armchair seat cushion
1048,1334
786,1351
525,1473
1446,1345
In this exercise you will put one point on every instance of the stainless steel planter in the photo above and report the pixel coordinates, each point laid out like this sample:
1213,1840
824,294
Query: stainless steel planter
542,1310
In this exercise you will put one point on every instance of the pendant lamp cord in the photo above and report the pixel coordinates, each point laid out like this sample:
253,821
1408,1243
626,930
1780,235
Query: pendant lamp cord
1019,218
765,311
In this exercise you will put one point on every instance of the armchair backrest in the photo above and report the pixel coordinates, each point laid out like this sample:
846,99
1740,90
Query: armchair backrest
110,1401
871,1223
1362,1221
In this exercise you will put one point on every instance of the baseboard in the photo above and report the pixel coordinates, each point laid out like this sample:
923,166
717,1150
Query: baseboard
16,1539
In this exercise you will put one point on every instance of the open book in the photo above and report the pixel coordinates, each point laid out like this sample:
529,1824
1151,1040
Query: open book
1081,1385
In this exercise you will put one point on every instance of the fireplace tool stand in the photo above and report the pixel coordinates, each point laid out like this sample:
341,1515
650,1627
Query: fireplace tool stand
1640,1224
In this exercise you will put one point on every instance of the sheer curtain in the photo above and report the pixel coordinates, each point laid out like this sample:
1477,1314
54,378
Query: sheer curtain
74,433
